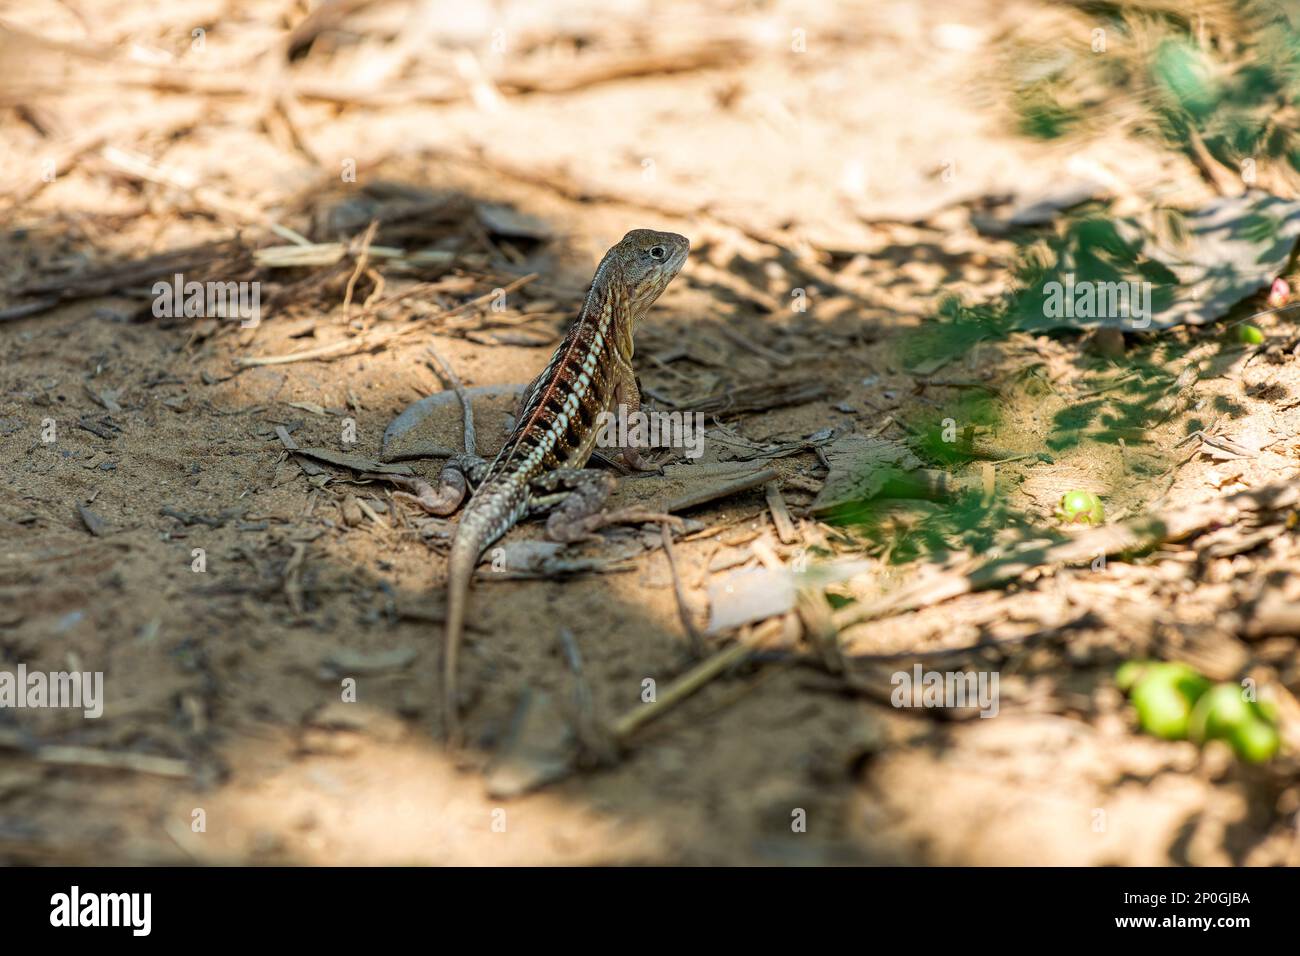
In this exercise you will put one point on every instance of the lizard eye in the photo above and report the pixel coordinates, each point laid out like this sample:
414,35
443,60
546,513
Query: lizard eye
658,253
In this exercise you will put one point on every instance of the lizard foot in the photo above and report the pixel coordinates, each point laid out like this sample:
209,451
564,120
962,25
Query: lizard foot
632,459
576,495
453,484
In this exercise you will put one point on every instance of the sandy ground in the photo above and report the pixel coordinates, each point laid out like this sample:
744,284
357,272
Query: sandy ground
820,169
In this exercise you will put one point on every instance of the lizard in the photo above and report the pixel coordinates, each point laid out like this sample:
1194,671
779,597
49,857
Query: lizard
541,465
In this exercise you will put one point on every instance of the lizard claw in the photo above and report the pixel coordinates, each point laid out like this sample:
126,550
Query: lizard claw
632,459
446,498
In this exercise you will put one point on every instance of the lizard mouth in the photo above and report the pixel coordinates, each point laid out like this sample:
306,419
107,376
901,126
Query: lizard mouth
679,257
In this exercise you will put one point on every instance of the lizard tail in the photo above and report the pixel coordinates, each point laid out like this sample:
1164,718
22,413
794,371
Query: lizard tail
464,557
492,510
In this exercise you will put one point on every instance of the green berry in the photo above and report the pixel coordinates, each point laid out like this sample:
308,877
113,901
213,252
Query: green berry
1081,507
1175,702
1161,710
1250,334
1164,696
1219,714
1129,673
1268,710
1255,741
1225,714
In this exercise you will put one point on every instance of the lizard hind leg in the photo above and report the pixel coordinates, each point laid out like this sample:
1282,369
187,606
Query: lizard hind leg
575,497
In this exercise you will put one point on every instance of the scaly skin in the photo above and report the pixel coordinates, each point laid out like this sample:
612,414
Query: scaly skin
557,428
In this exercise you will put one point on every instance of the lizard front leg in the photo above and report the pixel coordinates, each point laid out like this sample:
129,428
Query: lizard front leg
577,496
627,402
458,475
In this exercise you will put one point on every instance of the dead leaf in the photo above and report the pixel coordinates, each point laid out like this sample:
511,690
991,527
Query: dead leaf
859,469
345,459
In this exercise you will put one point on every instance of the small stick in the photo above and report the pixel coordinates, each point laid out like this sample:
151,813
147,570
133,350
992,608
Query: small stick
467,409
293,578
819,624
363,258
378,291
682,688
89,757
683,609
780,513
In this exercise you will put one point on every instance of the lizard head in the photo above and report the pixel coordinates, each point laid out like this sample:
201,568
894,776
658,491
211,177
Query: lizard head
649,260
